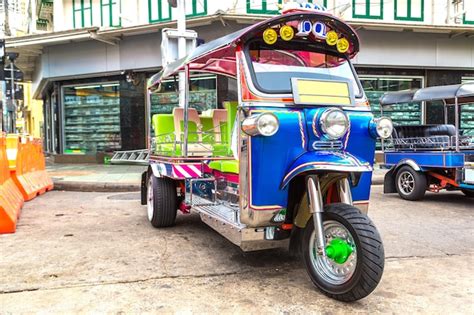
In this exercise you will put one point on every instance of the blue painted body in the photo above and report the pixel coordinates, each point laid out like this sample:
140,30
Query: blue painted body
466,186
440,159
431,160
286,153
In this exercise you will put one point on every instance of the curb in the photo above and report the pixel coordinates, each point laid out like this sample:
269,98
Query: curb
127,187
95,187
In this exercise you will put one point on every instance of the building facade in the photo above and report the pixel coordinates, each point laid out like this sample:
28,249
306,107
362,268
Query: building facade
91,71
21,18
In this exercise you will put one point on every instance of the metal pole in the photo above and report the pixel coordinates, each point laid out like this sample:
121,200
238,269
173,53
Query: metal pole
382,143
12,74
183,75
181,21
445,112
186,107
456,122
148,122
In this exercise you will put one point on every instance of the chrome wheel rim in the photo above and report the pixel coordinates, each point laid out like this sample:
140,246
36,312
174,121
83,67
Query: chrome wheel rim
406,183
327,269
149,200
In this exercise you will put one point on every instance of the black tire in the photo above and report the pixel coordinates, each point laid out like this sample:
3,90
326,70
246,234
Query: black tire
417,192
369,254
468,193
163,201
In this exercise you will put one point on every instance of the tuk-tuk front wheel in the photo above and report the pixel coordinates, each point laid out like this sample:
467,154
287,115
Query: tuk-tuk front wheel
353,260
161,201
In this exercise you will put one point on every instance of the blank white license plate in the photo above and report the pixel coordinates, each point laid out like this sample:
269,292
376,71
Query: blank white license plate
469,175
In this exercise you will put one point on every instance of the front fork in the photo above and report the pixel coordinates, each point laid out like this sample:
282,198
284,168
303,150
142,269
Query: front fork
316,206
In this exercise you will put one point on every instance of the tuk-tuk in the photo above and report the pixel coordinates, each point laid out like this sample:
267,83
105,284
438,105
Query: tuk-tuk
430,157
288,161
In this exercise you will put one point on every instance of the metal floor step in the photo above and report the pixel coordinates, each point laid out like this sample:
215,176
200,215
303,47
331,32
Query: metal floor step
226,221
218,211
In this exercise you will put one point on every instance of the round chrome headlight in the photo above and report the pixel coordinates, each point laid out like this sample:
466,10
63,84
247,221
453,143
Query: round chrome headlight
265,124
384,127
334,123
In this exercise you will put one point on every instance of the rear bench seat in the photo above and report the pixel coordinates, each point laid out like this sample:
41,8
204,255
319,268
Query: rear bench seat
424,131
439,133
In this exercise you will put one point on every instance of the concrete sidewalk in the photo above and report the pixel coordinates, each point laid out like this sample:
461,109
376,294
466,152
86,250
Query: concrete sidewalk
112,178
96,177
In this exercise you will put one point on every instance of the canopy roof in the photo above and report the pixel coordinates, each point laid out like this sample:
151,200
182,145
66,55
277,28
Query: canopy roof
448,93
219,55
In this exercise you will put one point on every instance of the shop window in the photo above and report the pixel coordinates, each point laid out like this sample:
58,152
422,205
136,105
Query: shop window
402,114
202,95
272,6
159,11
110,11
263,6
91,118
82,13
468,17
196,8
409,10
367,9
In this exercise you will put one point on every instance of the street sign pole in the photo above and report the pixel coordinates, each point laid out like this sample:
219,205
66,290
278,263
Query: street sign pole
11,126
183,79
181,21
12,74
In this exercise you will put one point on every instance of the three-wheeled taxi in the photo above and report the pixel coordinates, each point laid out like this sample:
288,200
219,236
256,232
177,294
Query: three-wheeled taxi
287,159
430,157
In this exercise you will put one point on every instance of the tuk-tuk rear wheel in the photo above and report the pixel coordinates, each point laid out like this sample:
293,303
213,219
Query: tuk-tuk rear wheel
410,184
358,275
468,193
161,201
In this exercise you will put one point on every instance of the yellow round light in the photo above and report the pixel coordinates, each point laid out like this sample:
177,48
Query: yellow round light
331,38
342,45
270,36
287,32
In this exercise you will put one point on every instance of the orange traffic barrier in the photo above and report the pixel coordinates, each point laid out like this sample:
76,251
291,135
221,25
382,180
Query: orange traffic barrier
11,199
28,169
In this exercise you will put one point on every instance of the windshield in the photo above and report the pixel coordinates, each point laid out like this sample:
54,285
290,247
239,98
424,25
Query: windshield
272,68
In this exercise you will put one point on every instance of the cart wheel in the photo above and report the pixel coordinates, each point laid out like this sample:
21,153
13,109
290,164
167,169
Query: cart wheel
161,201
411,185
468,193
354,256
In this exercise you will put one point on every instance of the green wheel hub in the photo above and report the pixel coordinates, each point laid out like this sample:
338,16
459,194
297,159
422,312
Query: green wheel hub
338,250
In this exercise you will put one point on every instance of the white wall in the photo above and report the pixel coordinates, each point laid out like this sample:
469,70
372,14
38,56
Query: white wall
417,50
135,12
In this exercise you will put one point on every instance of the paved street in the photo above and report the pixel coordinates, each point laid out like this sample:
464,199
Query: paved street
95,252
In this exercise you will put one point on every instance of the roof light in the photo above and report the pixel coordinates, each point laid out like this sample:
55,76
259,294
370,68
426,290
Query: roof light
287,33
270,36
342,45
331,38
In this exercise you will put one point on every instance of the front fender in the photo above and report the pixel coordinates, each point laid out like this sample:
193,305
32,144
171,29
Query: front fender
327,161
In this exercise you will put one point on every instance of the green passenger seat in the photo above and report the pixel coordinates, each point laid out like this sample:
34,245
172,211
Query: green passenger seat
207,129
227,166
162,124
230,166
231,108
163,128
